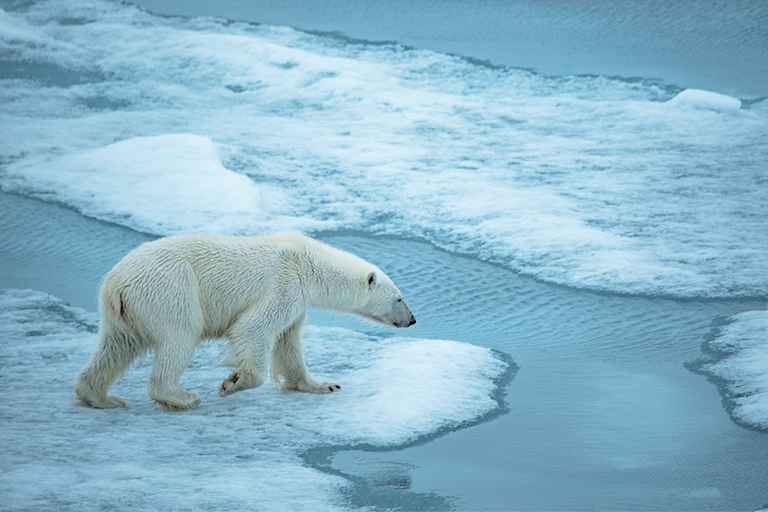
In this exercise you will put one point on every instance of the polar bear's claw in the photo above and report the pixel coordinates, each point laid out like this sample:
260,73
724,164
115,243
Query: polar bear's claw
238,381
168,407
320,388
113,402
229,385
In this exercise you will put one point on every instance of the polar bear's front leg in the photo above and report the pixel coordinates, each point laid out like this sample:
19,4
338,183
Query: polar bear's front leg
239,381
288,362
250,343
310,385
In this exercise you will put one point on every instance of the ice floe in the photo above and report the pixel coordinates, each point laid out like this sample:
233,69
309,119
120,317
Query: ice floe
706,100
164,184
239,452
741,368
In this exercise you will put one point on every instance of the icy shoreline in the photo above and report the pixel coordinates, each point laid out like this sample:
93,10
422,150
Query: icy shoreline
430,166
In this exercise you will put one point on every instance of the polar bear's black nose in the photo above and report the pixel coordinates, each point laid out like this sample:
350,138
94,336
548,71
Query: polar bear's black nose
413,321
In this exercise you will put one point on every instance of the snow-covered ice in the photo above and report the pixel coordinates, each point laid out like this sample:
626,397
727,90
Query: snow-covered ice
591,182
164,184
239,452
706,100
742,365
15,30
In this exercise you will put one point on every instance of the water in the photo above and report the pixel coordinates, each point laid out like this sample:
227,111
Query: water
596,232
717,46
600,413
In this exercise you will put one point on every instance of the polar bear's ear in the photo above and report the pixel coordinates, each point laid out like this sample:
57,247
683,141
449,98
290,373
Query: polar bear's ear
371,280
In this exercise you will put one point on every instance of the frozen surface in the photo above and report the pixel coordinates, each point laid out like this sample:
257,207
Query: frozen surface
163,184
169,125
742,346
706,100
585,181
14,30
242,452
723,44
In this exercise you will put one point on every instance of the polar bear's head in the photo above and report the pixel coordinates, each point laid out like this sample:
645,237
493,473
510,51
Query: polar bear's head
382,301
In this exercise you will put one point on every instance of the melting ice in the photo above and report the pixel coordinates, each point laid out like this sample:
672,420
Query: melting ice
626,186
242,451
742,347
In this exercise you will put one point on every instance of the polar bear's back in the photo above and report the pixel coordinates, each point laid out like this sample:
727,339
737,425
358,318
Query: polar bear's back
209,279
202,252
200,276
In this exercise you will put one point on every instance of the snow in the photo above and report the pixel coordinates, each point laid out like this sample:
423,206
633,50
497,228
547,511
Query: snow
164,184
706,100
170,125
588,182
743,344
15,30
239,452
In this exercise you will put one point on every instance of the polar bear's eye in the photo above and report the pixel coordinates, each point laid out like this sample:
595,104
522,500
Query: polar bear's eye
399,300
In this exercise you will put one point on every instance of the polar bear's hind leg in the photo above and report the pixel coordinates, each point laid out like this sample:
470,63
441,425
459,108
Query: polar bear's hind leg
171,359
113,355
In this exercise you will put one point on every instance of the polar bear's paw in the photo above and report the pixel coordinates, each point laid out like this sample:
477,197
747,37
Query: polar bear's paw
106,402
184,401
112,402
238,381
317,387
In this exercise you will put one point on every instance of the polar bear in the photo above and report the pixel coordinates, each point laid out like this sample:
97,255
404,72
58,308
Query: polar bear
171,294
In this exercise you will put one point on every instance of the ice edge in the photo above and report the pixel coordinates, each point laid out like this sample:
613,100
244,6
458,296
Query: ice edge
712,356
363,494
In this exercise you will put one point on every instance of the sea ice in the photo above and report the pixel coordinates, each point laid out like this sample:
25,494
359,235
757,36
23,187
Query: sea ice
164,184
242,452
16,30
742,346
706,100
588,182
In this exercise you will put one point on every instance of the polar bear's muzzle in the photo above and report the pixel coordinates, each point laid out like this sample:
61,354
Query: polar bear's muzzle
409,323
405,317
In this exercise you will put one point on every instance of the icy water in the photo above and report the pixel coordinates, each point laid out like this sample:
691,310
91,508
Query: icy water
585,256
717,46
600,414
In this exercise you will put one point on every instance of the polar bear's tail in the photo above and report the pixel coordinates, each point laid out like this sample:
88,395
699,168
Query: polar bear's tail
116,304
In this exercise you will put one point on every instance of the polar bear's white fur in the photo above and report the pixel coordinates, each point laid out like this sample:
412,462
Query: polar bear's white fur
171,294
